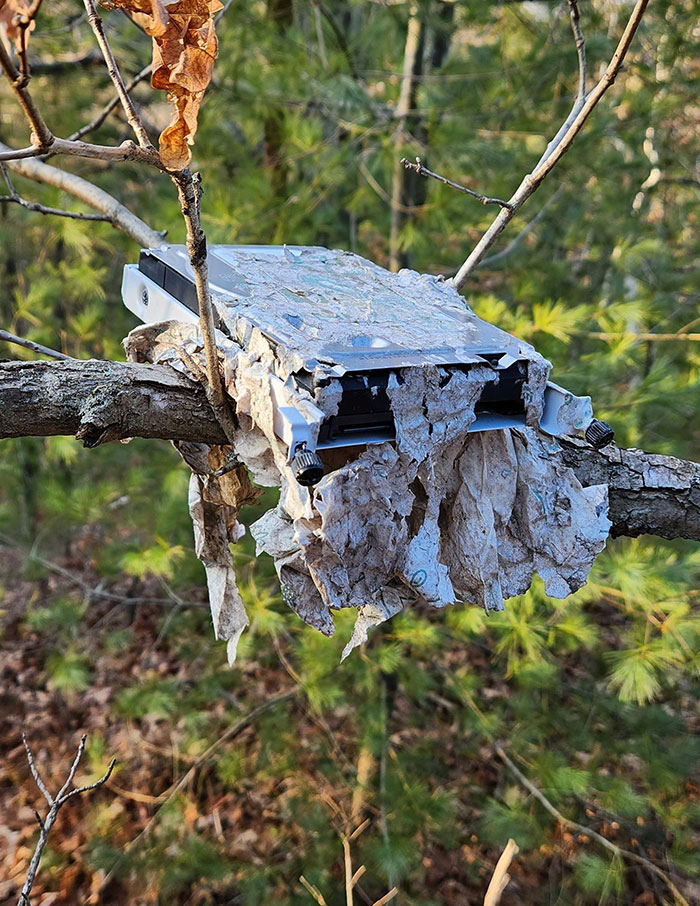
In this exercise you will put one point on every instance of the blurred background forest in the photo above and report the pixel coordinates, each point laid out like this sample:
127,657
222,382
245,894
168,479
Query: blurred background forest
104,625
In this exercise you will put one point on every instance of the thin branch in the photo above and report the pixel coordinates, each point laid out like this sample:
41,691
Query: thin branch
35,773
14,198
30,344
580,98
55,805
580,47
500,877
582,829
55,212
137,79
553,155
418,168
116,213
314,891
128,150
24,22
529,226
382,901
132,116
339,37
41,134
108,108
189,188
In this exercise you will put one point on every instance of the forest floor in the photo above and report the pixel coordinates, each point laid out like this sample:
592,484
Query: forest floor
123,645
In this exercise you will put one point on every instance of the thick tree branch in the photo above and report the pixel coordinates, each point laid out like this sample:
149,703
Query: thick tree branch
561,142
650,494
113,211
103,401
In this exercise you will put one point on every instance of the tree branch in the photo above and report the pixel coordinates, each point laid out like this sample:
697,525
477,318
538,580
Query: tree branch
189,189
55,805
650,494
14,198
559,145
115,75
588,831
103,401
113,211
424,171
30,344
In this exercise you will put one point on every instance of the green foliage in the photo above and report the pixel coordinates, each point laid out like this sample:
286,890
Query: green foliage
595,698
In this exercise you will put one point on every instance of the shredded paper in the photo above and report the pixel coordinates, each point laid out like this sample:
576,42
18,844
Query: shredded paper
437,516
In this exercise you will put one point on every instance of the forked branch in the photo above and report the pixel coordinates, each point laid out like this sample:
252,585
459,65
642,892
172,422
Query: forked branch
55,804
560,144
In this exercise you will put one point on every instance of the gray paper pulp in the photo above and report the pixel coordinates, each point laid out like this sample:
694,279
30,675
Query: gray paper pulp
435,517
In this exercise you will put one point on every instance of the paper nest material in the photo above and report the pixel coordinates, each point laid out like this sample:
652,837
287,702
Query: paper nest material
435,517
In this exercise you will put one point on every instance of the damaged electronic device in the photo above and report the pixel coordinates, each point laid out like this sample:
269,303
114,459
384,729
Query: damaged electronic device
345,329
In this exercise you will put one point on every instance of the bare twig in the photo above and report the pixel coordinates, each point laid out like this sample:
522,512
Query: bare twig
137,79
14,198
30,344
529,226
314,891
132,116
114,212
189,188
561,142
97,121
582,829
41,134
55,804
500,877
55,212
24,22
418,168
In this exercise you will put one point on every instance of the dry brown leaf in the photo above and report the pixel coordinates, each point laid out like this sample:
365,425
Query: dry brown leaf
12,13
184,50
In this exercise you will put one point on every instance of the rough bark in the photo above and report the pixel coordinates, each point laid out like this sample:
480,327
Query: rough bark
650,494
105,401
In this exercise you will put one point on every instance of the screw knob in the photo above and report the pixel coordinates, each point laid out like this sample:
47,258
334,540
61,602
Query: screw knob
598,434
307,466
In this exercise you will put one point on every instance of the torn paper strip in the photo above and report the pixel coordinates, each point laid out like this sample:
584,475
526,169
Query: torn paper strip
428,514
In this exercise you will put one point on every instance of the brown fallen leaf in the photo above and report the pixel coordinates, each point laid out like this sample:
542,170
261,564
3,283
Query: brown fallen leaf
184,50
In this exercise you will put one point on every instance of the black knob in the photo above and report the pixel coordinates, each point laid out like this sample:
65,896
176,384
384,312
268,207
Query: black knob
307,466
598,434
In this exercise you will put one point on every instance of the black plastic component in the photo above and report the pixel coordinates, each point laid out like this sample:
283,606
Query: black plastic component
173,282
307,466
365,407
599,434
